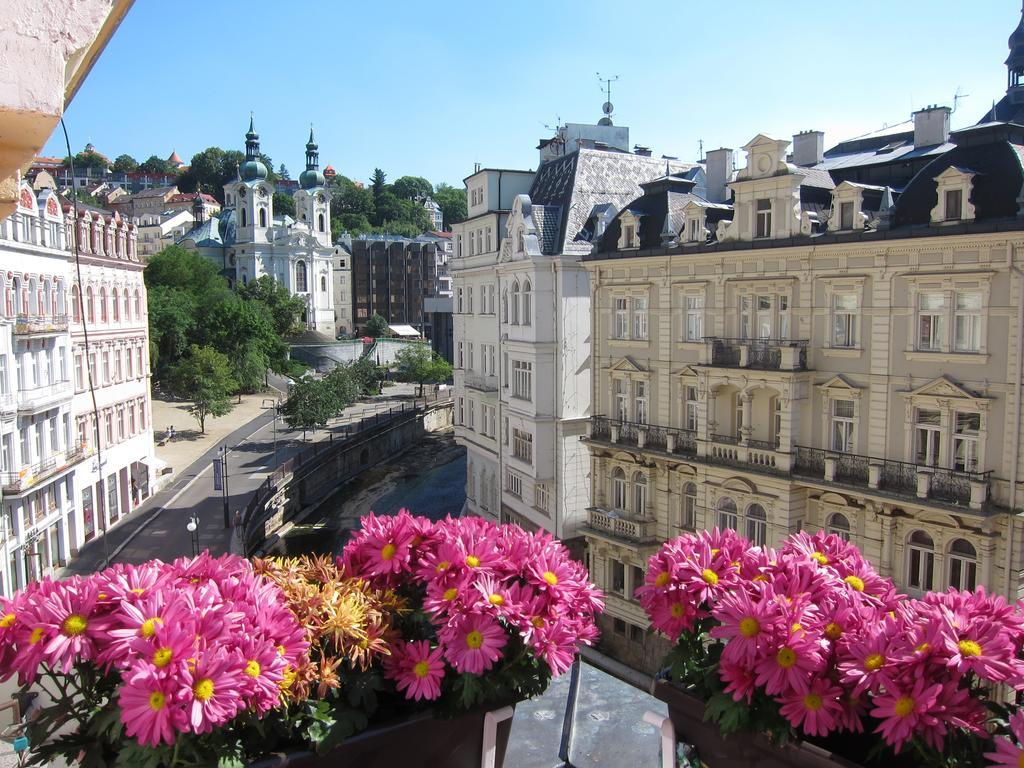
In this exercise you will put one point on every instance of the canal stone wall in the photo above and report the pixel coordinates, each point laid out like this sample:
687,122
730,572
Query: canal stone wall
294,492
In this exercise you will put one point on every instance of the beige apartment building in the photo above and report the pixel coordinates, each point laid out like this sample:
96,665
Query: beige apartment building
837,348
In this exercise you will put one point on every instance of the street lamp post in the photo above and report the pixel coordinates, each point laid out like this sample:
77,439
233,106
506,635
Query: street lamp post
226,495
193,528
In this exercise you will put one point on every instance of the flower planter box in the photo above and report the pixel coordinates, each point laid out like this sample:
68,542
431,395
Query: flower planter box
418,742
737,749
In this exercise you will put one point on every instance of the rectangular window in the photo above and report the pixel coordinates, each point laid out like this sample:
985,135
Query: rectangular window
636,574
471,414
522,380
764,317
640,402
694,230
690,417
967,322
504,430
460,411
640,317
689,507
954,204
522,445
965,442
842,425
621,405
621,330
469,299
931,321
746,317
514,484
628,236
542,497
458,301
763,224
927,438
618,577
694,322
469,355
844,320
460,357
784,316
846,215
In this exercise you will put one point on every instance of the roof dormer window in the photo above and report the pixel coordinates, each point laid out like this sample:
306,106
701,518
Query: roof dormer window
628,236
953,196
846,215
763,218
953,209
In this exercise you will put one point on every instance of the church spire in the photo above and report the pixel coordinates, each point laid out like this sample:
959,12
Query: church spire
312,177
253,167
1015,61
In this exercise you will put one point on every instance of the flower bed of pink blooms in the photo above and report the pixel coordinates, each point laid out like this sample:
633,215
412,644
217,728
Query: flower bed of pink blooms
808,640
493,596
202,649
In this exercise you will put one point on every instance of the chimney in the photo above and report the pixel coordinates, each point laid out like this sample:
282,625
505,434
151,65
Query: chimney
643,151
719,173
476,167
931,126
808,148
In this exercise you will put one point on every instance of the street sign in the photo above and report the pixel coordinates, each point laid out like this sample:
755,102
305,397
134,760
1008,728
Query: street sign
218,475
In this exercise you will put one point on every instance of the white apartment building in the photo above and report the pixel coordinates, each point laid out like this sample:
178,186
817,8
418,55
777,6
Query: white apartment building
38,450
110,303
476,330
522,315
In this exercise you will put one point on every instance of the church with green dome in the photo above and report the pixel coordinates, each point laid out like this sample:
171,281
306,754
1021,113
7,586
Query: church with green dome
248,241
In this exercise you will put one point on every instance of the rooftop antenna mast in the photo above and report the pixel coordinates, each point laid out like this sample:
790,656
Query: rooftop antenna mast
700,150
608,107
958,96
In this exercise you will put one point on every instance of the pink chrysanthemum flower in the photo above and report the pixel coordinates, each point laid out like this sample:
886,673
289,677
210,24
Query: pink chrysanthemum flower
151,709
67,618
416,669
817,711
739,679
212,688
792,664
908,711
864,661
1009,754
473,642
749,625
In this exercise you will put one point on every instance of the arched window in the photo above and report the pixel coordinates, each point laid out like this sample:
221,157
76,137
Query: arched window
103,305
839,525
515,302
245,219
115,305
76,304
618,489
46,298
323,283
300,276
757,525
263,217
8,300
527,303
90,309
640,494
726,513
320,222
688,513
920,561
127,306
138,304
963,565
490,299
504,306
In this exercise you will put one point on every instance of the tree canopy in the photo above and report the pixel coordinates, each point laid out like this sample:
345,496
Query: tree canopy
419,364
408,187
88,159
204,378
125,164
377,326
154,164
453,204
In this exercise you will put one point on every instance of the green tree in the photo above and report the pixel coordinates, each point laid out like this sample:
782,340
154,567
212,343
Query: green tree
367,376
377,182
172,320
156,164
408,187
210,170
345,387
418,363
452,202
309,405
89,159
282,171
249,369
204,378
353,223
284,204
377,327
125,164
284,308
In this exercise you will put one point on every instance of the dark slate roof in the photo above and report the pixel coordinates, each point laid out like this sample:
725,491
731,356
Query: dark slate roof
1007,110
994,153
206,235
651,210
546,218
577,182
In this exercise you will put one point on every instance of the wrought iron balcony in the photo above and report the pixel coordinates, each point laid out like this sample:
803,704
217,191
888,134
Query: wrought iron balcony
900,478
651,437
26,477
759,354
28,325
622,526
480,383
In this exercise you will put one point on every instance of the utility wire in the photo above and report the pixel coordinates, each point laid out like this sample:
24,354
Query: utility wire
85,331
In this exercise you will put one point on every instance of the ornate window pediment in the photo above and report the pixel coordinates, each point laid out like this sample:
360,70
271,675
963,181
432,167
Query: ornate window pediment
946,388
953,204
627,365
839,386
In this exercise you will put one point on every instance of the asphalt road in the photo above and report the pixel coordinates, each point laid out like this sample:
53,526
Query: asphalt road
157,528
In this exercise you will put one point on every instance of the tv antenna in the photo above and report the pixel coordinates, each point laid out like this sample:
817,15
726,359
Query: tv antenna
957,97
556,126
606,88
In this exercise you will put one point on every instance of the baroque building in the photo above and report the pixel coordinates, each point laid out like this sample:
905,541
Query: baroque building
60,486
247,241
521,322
833,344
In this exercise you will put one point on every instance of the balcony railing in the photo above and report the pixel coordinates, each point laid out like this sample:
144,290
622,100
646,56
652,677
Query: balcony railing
31,397
648,436
481,383
760,354
26,477
621,526
26,325
901,478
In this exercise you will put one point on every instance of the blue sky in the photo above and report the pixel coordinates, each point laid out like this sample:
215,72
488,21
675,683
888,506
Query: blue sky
429,89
